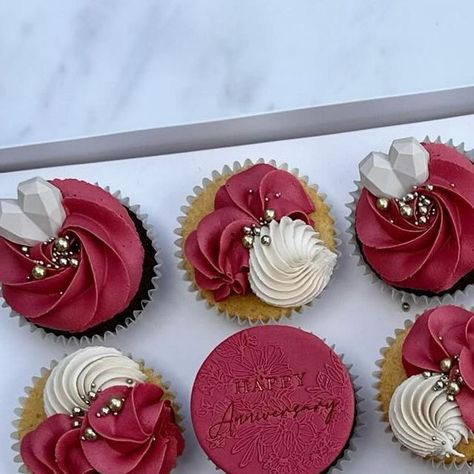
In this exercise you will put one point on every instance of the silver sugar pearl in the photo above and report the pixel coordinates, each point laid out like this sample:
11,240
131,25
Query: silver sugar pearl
409,197
247,241
247,230
63,261
423,219
105,411
61,244
256,231
453,388
445,365
115,404
406,211
76,424
423,210
426,374
269,215
450,398
405,306
77,411
89,434
24,249
266,240
439,384
429,187
74,262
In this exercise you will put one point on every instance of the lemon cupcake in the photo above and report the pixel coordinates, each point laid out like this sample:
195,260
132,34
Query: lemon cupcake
426,386
98,411
258,242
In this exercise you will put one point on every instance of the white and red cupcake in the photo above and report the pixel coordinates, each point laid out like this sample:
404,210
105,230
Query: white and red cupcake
98,411
258,242
75,260
426,386
413,217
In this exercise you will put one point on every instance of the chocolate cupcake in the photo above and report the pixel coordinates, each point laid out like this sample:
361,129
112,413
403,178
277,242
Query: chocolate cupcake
258,242
75,260
413,217
274,399
98,411
425,386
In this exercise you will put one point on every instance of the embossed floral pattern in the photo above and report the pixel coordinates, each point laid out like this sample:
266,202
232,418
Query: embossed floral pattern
271,415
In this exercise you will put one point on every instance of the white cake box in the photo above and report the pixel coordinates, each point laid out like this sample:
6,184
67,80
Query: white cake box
158,168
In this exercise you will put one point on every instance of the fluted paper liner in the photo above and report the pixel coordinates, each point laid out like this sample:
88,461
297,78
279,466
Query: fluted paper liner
129,321
226,172
351,447
44,374
454,465
404,296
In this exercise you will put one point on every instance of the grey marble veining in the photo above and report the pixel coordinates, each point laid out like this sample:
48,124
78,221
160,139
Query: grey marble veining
87,67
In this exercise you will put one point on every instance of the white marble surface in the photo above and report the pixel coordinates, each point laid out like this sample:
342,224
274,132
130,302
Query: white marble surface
87,67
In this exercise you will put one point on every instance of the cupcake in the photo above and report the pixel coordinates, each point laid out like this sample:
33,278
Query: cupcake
413,220
258,242
273,399
74,259
98,411
426,386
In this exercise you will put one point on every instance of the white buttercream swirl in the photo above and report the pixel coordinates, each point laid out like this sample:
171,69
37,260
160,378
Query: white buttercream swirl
88,369
424,421
294,268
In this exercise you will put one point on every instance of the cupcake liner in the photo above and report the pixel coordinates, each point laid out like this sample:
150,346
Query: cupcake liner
197,190
97,339
351,447
43,372
400,295
452,466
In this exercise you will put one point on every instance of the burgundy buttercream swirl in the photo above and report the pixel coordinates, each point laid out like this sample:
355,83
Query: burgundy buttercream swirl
433,256
74,299
215,248
142,438
444,332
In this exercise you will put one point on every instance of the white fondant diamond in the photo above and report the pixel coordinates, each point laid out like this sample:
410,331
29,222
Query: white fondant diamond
394,175
36,216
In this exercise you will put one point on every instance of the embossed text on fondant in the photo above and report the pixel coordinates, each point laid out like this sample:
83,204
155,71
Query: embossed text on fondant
262,384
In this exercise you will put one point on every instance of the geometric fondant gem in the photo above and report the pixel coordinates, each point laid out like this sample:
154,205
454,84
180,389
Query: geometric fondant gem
394,175
36,216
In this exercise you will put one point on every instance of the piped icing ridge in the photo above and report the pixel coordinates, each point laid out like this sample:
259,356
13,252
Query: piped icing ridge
294,269
95,280
425,242
249,201
85,372
424,421
125,427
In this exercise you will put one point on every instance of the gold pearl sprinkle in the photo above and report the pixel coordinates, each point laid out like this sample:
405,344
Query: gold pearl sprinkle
38,272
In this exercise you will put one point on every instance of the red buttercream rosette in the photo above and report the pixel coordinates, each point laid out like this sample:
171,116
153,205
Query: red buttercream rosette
143,438
215,248
440,333
108,272
430,256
